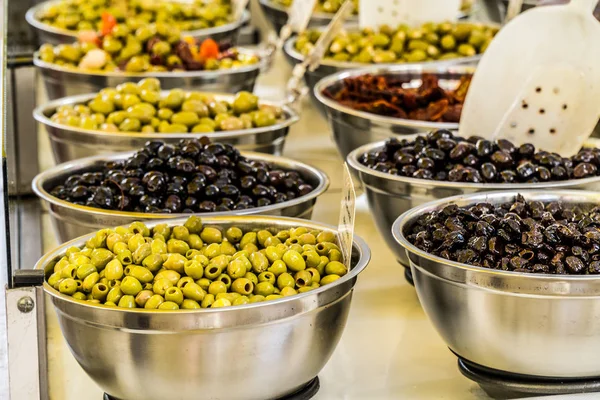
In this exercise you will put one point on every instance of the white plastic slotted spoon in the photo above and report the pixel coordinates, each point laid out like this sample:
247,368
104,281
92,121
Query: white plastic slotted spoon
539,80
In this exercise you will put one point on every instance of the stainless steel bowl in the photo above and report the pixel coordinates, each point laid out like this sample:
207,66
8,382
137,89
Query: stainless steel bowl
49,34
62,82
530,324
278,15
252,352
352,129
329,67
390,195
69,143
70,220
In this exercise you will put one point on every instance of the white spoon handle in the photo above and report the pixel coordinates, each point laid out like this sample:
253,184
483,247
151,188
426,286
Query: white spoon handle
584,5
513,9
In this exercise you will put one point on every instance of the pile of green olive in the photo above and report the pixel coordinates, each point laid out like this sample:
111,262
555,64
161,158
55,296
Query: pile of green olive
193,266
429,42
326,6
150,48
140,107
332,6
80,15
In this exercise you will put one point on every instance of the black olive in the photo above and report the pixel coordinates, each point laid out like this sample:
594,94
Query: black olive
484,148
489,172
502,159
526,150
404,159
574,265
508,176
425,163
423,174
526,170
506,145
584,170
461,150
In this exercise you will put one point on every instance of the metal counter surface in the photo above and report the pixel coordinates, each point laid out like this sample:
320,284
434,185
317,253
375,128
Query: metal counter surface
389,349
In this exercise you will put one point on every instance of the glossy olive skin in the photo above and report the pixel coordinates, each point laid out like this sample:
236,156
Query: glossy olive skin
222,269
403,44
126,108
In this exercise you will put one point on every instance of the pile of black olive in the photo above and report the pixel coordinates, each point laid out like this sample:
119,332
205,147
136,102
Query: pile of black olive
442,156
192,176
521,236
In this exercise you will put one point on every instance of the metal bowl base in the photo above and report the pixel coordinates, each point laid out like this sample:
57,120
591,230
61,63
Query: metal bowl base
507,385
307,392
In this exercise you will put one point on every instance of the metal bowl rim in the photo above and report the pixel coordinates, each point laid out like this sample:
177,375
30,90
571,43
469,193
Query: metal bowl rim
358,242
262,62
396,69
290,49
40,179
31,18
329,16
402,221
40,116
317,15
353,162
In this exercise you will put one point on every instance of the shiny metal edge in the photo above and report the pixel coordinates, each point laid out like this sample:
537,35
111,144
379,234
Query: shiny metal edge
569,196
362,169
31,18
284,222
164,74
40,114
40,180
381,69
322,17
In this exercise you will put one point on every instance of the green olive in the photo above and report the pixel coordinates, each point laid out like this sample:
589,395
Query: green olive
131,286
168,305
187,118
174,294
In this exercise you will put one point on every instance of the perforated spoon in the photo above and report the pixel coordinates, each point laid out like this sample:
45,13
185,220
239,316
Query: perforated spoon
539,80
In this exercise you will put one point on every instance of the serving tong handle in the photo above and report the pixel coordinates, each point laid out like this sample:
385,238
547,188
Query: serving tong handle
298,20
296,86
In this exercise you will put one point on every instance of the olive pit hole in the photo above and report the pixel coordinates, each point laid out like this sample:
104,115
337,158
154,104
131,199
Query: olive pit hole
126,259
73,272
213,270
102,287
248,287
127,271
300,282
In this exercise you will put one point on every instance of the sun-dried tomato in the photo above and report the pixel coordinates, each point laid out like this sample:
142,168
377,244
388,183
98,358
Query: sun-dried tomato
399,98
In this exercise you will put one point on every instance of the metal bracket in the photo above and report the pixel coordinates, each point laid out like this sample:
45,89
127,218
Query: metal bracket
26,337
